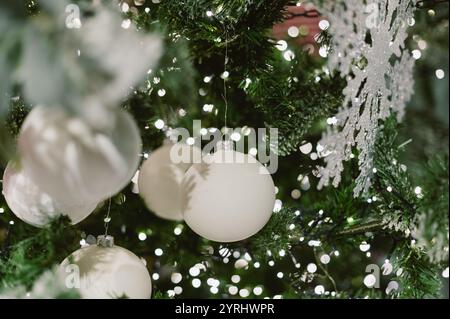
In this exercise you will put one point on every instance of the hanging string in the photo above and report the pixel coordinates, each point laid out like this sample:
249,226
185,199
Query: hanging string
107,218
225,76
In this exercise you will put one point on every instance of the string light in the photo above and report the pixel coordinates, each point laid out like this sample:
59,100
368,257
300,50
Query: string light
295,194
325,259
305,149
370,280
289,55
416,54
235,279
323,51
208,108
159,124
178,290
440,74
158,252
257,291
212,282
142,236
190,141
194,271
253,151
282,45
445,273
278,206
214,290
176,278
244,293
196,283
235,136
311,268
126,23
293,31
155,276
364,246
233,290
324,24
319,290
418,191
178,230
241,264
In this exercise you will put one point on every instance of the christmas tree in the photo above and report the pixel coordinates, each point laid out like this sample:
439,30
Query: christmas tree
117,121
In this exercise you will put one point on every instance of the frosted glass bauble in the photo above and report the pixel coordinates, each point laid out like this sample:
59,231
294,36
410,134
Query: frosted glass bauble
35,207
161,175
229,197
71,161
107,272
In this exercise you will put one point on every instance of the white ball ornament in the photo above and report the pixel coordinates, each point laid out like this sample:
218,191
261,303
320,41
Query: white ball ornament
107,271
33,206
229,197
161,175
73,162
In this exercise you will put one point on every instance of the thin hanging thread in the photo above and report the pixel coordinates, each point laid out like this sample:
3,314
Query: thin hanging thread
224,96
107,218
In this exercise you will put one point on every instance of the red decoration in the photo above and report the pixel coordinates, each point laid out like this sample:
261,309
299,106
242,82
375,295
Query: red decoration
307,18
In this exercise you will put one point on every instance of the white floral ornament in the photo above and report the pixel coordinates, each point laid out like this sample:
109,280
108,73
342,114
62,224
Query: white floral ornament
376,86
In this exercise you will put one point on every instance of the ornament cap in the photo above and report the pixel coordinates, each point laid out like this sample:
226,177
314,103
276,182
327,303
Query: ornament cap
105,241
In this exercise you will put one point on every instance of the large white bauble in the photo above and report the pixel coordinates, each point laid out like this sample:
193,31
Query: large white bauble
107,273
71,161
35,207
227,202
160,178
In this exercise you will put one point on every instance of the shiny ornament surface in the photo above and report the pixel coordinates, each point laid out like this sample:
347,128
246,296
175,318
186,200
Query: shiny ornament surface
161,175
73,162
107,273
33,206
229,197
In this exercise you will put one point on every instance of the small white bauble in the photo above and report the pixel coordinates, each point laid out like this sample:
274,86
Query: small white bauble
107,273
161,175
228,197
73,162
30,204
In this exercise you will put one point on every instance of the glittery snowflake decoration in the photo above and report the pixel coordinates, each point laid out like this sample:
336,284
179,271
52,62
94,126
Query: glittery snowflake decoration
368,49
